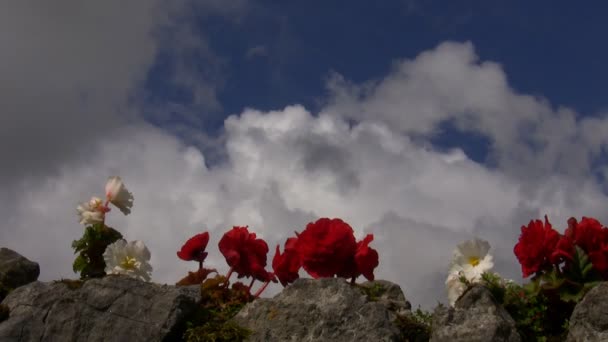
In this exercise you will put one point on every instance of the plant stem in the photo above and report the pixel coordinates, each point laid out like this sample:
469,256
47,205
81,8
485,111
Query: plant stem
257,294
228,275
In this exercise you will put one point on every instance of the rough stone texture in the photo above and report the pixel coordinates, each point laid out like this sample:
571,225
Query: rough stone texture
476,317
589,320
324,310
15,270
113,308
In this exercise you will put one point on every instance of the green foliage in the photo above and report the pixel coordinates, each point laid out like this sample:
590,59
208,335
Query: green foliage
90,248
537,308
219,303
216,332
415,327
494,283
423,317
579,277
373,292
4,312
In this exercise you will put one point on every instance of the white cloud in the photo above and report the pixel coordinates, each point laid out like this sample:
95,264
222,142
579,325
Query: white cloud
288,167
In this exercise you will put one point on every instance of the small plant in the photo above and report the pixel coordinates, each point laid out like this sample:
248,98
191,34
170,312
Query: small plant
90,248
415,327
423,317
218,305
373,292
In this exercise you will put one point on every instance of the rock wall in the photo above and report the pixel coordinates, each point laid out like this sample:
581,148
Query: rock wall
113,308
118,308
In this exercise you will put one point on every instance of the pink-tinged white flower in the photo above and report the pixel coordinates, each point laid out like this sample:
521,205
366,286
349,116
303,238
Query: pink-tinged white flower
129,258
471,259
91,212
117,194
454,287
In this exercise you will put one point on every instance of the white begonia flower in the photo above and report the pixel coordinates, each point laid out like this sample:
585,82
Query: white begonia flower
454,287
472,259
129,258
117,194
91,212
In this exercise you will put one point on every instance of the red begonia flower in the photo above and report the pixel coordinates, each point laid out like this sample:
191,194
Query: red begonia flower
325,246
287,265
564,251
599,259
194,248
536,245
362,262
366,258
591,237
586,234
245,254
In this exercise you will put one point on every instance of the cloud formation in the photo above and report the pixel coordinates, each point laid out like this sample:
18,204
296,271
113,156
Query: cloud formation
360,158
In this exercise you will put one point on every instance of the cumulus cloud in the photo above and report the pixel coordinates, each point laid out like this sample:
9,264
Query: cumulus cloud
356,159
451,83
73,70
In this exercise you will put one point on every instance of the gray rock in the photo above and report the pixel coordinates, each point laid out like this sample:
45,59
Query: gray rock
15,270
113,308
589,320
476,317
327,309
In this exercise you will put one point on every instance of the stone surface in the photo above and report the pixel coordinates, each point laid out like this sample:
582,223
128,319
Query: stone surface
325,310
476,317
15,270
113,308
589,320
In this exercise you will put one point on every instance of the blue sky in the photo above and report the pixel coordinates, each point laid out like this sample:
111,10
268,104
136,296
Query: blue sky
282,53
425,123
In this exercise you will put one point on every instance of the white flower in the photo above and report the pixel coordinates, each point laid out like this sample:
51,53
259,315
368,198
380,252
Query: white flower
130,258
117,194
454,287
91,212
472,259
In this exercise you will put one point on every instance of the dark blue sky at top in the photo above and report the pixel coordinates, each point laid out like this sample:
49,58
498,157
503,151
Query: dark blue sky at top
554,49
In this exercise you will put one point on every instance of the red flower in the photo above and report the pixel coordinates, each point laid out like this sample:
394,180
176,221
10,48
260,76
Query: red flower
366,258
245,254
325,246
587,234
591,237
599,259
535,246
194,248
362,262
287,265
564,251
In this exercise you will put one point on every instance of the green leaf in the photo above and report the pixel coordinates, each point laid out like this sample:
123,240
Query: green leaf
79,264
567,296
580,262
91,246
533,287
586,269
552,280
